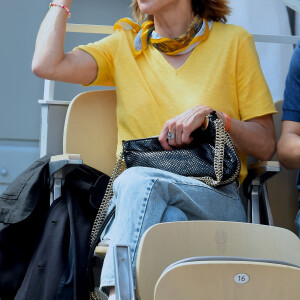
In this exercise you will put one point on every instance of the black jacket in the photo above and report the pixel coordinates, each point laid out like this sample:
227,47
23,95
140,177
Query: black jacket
44,250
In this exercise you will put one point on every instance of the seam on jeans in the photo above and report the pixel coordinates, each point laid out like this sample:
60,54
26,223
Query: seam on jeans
106,283
195,182
229,196
141,222
109,282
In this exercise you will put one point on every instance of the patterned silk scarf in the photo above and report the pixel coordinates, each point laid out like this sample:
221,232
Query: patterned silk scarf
197,32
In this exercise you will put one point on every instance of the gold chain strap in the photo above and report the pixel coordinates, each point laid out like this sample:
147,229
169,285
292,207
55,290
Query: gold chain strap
219,150
101,214
94,296
231,145
222,139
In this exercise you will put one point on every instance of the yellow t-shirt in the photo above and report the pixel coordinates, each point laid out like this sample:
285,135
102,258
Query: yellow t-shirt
222,72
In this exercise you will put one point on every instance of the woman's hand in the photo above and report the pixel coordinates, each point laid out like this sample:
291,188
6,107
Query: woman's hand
254,137
180,127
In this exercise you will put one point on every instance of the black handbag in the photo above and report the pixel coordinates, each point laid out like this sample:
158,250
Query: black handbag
211,157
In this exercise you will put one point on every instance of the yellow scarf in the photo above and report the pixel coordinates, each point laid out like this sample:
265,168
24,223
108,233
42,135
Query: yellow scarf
197,32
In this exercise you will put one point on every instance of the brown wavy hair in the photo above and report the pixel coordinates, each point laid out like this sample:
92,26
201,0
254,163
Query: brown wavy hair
216,10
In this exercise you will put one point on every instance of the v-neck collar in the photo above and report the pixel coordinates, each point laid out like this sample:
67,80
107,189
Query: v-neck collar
160,58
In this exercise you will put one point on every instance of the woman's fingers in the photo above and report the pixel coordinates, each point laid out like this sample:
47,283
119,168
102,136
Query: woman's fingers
163,138
177,131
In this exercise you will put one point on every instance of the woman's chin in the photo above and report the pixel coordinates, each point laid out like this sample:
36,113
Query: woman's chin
146,8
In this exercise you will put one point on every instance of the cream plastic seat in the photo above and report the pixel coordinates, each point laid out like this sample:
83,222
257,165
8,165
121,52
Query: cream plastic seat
91,129
163,244
225,280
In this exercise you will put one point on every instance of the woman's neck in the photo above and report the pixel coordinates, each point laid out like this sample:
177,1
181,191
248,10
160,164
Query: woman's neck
172,24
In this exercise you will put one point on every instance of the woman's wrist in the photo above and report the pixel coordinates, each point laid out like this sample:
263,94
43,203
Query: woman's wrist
66,3
225,119
67,10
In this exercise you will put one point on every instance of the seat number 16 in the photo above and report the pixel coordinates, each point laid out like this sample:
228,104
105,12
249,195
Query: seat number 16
241,278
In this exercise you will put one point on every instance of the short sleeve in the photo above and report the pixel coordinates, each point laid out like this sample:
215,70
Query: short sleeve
291,104
103,52
253,93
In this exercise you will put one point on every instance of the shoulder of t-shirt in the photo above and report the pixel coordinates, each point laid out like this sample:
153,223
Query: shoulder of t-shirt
122,35
232,32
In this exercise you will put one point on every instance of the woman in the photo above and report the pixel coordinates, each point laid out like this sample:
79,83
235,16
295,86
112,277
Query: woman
161,93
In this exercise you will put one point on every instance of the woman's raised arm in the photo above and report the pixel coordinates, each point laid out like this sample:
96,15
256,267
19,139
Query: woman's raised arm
50,61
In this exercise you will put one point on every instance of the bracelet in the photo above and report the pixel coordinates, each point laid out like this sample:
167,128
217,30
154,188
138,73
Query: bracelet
227,122
62,6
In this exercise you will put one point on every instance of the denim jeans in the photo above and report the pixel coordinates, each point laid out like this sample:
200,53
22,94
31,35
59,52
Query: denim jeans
147,196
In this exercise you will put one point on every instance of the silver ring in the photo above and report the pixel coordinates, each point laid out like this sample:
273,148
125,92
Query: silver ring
171,135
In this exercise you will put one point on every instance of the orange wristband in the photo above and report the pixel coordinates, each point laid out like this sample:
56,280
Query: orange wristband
227,122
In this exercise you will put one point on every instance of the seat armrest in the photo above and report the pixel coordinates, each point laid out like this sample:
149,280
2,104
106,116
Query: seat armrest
101,249
59,167
263,170
123,273
256,192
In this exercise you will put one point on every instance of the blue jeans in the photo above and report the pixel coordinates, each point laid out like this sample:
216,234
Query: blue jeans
147,196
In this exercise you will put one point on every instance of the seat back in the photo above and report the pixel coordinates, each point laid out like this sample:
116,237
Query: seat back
232,280
282,190
166,243
91,129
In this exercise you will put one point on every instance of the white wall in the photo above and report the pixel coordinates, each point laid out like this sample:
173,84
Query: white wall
267,17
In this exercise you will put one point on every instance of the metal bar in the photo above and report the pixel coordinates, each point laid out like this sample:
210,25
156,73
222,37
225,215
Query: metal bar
57,188
267,205
123,273
264,38
48,95
54,102
44,130
85,28
279,39
49,89
255,213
